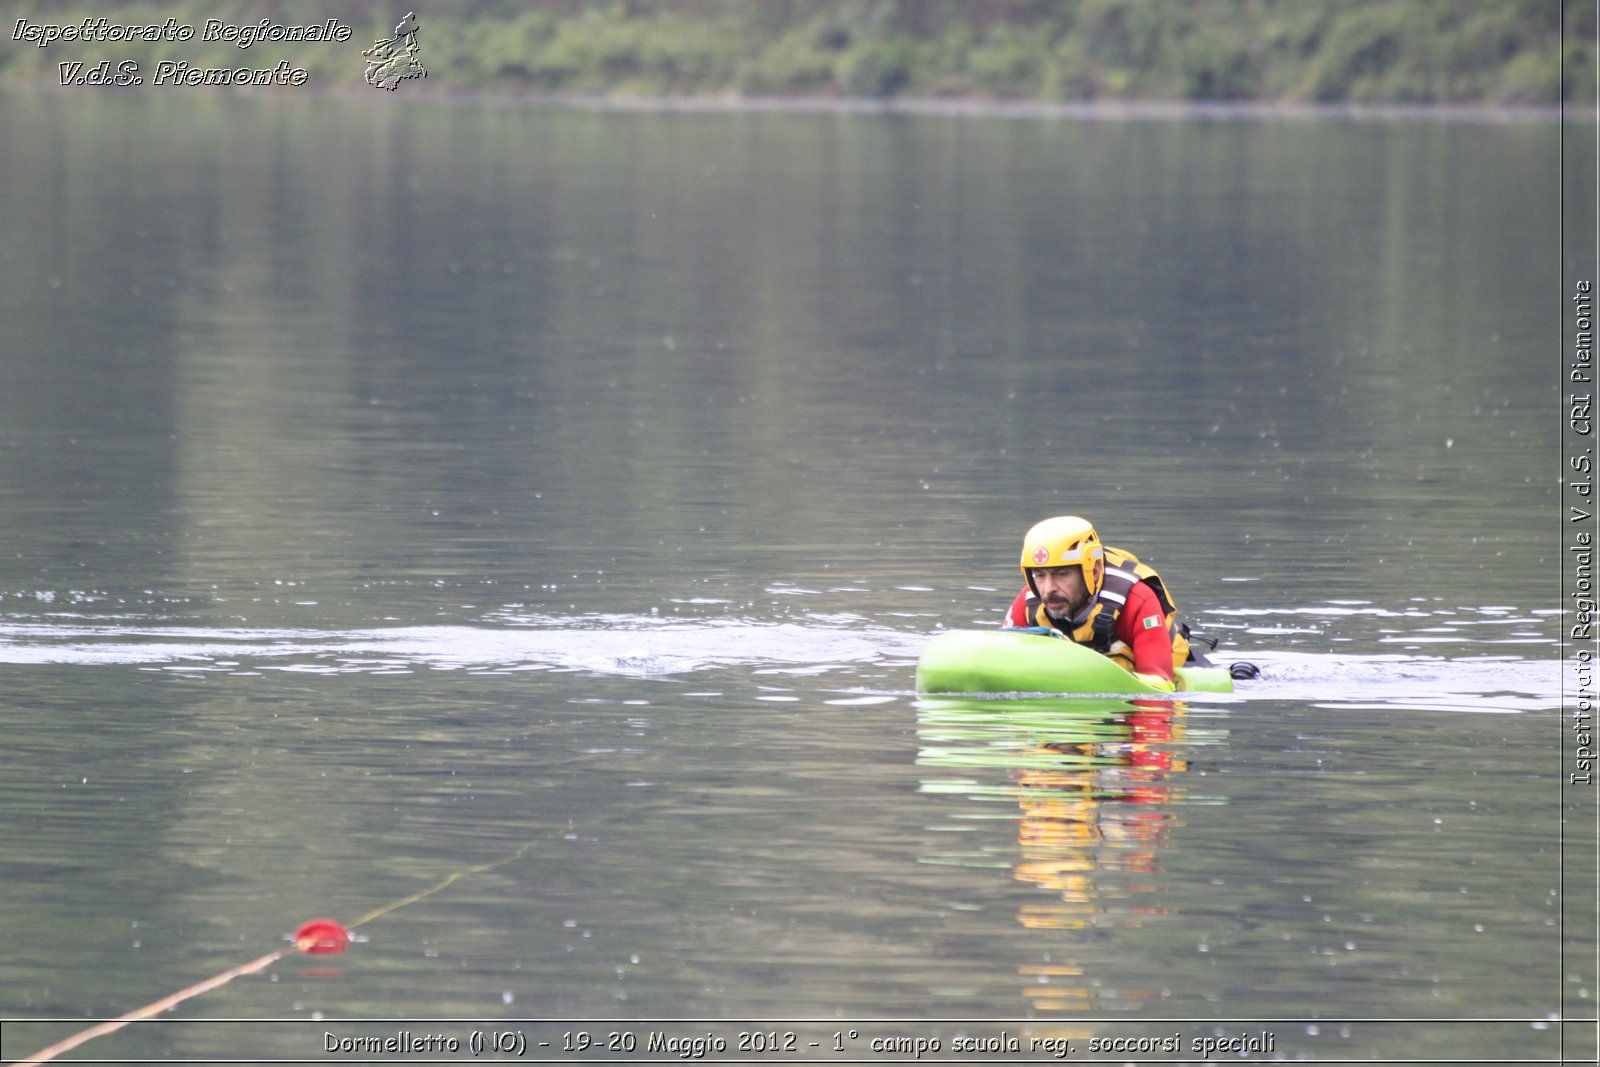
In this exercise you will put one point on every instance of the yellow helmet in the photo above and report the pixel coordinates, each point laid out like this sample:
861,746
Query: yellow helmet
1064,541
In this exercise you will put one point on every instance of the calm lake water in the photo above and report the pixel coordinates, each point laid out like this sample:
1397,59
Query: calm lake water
395,488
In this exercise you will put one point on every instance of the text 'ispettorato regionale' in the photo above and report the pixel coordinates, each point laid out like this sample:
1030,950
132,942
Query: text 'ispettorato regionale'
244,34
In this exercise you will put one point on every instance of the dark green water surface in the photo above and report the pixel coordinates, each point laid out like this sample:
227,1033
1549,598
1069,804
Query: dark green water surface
394,488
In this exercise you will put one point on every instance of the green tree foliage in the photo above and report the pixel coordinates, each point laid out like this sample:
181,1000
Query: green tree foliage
1513,52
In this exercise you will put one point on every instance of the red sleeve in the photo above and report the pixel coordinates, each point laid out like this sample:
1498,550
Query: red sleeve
1152,648
1018,615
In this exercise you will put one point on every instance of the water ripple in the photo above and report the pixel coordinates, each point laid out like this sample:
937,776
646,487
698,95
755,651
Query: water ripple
610,645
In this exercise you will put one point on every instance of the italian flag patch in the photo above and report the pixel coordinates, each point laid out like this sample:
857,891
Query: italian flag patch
1152,622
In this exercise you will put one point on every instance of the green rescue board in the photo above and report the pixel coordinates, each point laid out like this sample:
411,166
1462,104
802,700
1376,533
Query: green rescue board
1011,661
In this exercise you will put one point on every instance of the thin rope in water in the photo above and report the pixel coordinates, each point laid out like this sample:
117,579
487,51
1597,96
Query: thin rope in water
449,880
171,1001
167,1003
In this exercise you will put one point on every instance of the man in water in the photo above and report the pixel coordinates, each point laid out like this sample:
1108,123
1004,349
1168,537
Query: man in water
1099,596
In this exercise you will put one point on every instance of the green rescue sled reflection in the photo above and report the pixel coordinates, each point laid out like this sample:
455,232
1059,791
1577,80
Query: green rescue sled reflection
1094,785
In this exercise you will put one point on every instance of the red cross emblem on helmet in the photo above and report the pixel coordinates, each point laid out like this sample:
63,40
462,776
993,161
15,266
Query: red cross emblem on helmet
1041,555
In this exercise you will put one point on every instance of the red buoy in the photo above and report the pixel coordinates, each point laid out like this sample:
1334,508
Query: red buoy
321,937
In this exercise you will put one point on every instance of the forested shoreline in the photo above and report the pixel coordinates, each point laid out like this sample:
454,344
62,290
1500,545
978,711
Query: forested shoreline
1536,53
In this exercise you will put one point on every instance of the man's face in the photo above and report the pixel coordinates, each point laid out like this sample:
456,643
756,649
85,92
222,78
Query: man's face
1061,589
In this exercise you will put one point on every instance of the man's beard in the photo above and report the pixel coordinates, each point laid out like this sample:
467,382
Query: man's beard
1061,609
